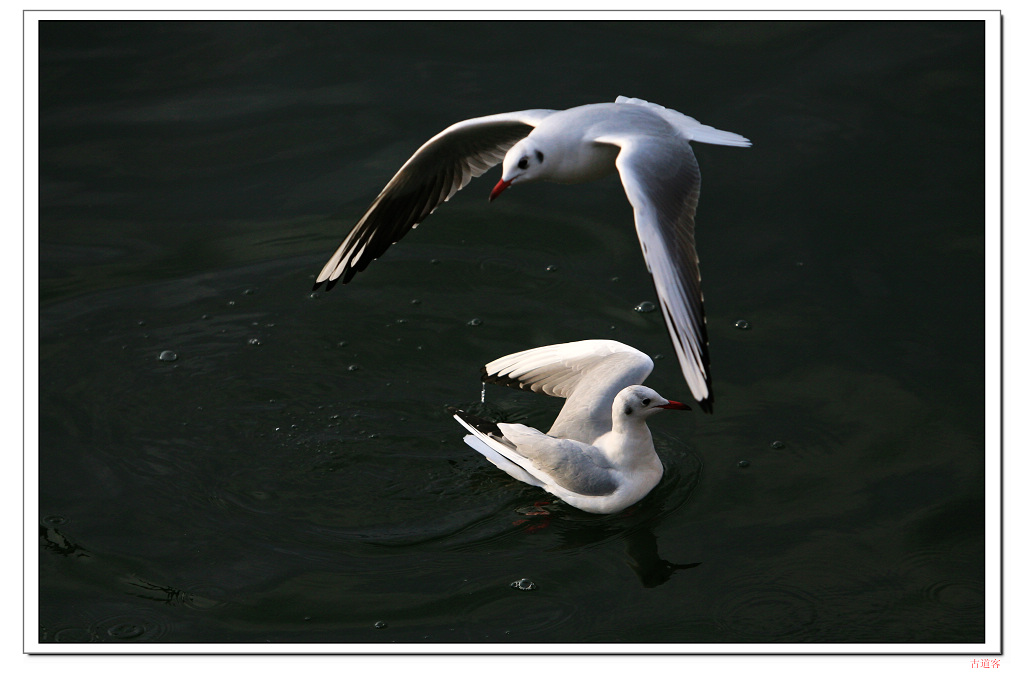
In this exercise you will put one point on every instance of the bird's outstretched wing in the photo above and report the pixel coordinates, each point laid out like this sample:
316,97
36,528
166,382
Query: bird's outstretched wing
589,374
662,183
435,172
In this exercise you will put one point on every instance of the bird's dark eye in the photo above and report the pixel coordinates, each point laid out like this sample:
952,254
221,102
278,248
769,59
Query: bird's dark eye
629,410
523,163
645,402
540,156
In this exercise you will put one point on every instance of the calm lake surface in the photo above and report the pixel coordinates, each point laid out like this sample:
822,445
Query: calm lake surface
289,473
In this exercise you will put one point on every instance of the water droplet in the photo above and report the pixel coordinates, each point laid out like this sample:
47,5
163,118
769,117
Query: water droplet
205,317
778,444
414,301
168,356
380,624
254,341
742,324
353,367
248,291
551,267
314,296
231,303
435,261
743,464
645,307
524,584
475,322
342,343
141,323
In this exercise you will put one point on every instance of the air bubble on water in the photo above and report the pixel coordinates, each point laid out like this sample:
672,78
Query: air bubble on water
524,584
414,301
741,324
125,631
168,356
551,267
254,341
380,624
353,367
474,322
778,444
231,303
645,307
743,464
483,392
248,291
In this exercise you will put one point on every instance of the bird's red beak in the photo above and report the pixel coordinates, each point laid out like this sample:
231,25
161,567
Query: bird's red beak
499,188
673,405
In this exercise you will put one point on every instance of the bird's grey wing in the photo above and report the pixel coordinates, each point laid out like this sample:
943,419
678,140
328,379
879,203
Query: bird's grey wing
486,439
589,374
662,183
573,466
435,172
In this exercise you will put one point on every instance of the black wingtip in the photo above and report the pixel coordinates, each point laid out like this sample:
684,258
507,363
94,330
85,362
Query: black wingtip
483,425
706,404
502,380
327,285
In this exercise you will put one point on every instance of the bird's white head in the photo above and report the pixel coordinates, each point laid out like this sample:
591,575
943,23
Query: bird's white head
523,163
639,402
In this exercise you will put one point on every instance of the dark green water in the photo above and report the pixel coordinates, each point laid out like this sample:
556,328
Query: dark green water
293,476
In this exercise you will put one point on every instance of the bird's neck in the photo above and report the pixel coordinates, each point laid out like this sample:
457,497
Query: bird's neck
628,444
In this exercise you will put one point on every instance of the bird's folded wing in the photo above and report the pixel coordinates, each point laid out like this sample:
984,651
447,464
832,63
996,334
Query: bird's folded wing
573,466
495,448
435,172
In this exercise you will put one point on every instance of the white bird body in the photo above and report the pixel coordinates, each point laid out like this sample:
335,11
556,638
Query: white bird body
598,456
648,145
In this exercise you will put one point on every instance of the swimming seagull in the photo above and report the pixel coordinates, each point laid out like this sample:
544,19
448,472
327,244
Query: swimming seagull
647,143
598,456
